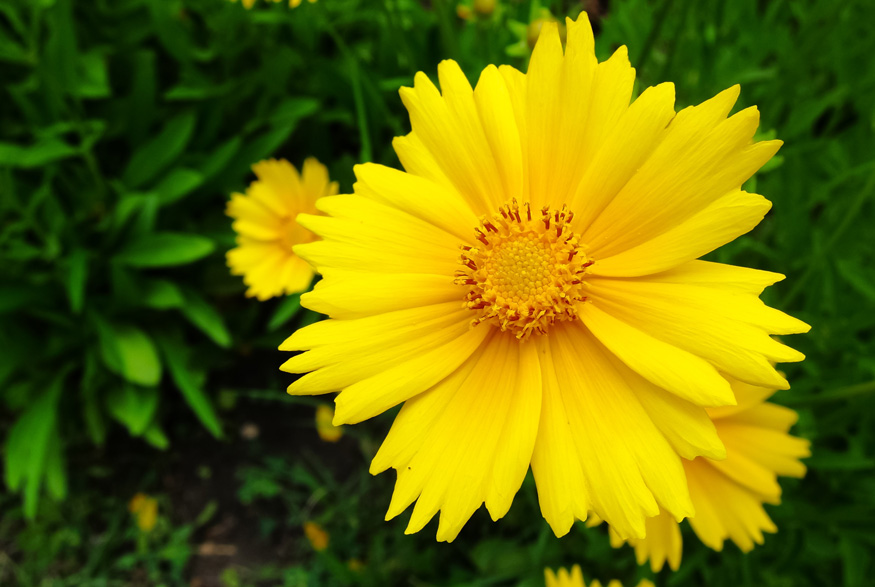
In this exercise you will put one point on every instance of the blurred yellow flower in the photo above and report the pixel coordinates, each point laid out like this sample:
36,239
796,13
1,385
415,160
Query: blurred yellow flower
266,227
317,536
145,510
355,565
326,430
293,3
728,495
529,287
563,578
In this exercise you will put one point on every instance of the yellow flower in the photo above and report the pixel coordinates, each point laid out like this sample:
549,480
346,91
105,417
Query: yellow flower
728,495
326,430
575,579
247,4
529,289
317,536
266,227
145,509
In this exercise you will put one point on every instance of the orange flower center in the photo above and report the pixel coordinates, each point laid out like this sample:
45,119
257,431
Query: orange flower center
527,271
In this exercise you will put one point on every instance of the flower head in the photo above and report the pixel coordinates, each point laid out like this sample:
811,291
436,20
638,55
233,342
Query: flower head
563,578
317,536
324,427
145,511
264,219
729,495
529,289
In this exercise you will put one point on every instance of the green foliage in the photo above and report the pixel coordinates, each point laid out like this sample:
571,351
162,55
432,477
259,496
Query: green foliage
124,126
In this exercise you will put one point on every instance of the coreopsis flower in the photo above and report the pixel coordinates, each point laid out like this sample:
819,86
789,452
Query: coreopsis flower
563,578
316,536
729,495
145,511
264,220
528,288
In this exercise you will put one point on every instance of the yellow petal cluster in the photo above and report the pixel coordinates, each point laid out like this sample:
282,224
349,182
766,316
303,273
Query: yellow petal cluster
264,220
728,495
145,511
562,578
528,288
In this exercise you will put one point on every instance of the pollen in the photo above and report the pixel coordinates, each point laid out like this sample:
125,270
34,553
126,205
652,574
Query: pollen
526,271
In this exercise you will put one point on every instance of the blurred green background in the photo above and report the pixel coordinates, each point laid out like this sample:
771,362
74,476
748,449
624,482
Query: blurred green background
130,361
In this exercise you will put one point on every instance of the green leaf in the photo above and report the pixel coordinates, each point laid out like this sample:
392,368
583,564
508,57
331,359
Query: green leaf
206,318
176,355
77,273
39,154
134,407
285,311
292,110
162,295
129,352
155,436
165,249
27,446
56,472
154,156
178,184
93,79
220,157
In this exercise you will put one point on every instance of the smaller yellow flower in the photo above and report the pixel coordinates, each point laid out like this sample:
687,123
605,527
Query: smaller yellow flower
324,426
145,509
317,536
355,565
264,220
247,4
728,495
575,579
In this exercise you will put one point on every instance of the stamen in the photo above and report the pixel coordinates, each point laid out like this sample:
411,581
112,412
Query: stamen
527,276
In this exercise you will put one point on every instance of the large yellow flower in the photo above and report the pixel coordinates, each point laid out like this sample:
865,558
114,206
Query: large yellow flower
266,227
529,289
563,578
728,495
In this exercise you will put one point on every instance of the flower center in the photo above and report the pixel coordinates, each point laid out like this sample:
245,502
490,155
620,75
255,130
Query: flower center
292,233
527,272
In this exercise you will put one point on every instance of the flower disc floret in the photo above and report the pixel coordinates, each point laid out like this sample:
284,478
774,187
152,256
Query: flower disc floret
527,271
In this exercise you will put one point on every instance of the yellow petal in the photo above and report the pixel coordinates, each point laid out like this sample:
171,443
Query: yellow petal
726,277
625,148
369,236
562,489
719,326
449,128
441,465
376,394
345,293
342,352
626,461
420,197
496,113
724,509
418,160
663,364
700,159
723,221
662,543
